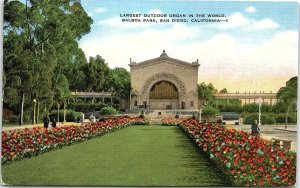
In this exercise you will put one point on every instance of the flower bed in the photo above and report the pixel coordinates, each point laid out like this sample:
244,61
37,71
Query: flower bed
22,143
247,160
171,121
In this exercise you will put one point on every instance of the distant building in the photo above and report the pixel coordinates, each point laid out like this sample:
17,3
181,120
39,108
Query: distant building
164,83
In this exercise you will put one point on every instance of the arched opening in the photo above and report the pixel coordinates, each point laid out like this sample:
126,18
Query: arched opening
164,95
163,90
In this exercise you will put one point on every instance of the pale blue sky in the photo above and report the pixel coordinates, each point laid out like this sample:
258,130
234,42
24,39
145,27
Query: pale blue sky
256,50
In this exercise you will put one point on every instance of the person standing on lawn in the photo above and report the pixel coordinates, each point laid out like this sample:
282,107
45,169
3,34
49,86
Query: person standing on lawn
53,121
255,128
46,121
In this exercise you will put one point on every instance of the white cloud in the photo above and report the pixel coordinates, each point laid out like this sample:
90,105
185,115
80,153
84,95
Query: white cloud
97,10
225,60
266,23
151,41
238,20
235,20
251,9
155,11
100,10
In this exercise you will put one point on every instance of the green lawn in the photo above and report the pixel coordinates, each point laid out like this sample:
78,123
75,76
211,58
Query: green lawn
134,156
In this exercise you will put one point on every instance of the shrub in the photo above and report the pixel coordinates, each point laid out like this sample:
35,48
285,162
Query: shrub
280,118
13,119
231,108
210,111
250,108
279,107
265,119
71,115
108,110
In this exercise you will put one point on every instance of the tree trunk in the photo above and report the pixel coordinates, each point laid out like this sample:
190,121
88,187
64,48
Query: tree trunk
22,108
286,116
57,112
64,112
37,112
34,112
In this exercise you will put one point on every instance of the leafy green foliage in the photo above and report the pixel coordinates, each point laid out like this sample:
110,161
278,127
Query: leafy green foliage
210,111
280,118
288,95
265,119
120,82
206,92
224,90
71,115
40,42
108,110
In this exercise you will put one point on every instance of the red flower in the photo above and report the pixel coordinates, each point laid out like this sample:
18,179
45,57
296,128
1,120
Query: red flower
261,168
261,182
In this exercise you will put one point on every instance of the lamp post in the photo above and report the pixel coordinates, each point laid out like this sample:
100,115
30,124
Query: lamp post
200,114
34,112
259,110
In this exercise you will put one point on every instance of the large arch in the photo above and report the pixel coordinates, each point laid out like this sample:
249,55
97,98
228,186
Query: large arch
163,77
163,103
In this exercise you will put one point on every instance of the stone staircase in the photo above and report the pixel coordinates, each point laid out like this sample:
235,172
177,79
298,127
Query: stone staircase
155,121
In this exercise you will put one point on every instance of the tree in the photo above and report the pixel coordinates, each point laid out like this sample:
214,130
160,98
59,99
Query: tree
97,74
62,92
121,82
40,39
206,92
224,90
121,86
288,95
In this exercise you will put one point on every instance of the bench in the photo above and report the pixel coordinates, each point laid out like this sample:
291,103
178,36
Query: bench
285,144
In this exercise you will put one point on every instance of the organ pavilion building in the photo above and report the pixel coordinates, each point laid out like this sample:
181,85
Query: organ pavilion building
164,83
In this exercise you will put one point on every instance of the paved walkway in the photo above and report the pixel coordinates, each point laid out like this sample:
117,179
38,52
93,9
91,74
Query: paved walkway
6,128
274,131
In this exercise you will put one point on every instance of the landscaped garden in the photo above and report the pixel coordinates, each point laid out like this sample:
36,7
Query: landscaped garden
144,155
136,155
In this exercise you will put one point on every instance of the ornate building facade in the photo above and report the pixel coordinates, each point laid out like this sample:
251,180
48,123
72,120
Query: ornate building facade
164,83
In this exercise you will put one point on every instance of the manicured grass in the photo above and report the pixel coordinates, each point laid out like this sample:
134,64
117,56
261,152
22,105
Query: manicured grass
134,156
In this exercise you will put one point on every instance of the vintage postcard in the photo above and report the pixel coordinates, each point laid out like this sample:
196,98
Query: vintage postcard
149,93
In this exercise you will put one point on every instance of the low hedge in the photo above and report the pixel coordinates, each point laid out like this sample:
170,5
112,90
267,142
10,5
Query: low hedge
280,118
108,110
265,119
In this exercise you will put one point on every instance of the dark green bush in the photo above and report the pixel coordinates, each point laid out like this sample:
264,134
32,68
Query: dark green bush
251,108
280,118
71,115
210,111
13,119
108,110
231,108
265,119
